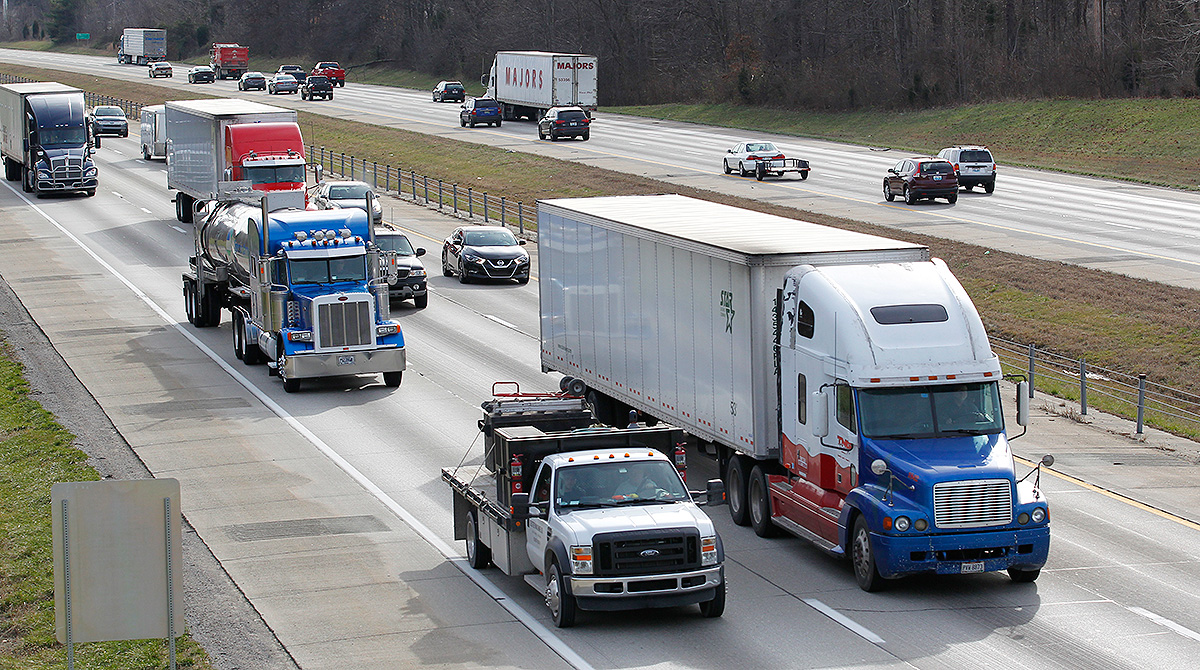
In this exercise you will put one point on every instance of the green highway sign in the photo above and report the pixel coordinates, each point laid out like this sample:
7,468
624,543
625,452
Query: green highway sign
83,36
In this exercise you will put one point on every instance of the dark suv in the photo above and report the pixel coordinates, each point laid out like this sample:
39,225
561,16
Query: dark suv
564,122
449,90
973,165
316,86
479,110
919,178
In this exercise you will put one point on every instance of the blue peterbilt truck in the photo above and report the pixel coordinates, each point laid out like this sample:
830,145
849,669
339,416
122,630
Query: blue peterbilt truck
844,382
304,291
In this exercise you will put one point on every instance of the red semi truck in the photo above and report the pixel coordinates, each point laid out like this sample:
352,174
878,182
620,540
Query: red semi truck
229,61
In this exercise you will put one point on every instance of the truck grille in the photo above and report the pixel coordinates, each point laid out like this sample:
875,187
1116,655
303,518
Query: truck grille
66,168
972,504
646,552
344,324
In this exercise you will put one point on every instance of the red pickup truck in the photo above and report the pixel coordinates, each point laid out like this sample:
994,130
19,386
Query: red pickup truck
332,70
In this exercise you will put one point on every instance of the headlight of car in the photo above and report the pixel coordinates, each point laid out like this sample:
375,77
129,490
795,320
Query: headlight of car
708,550
522,260
416,272
468,256
90,172
581,559
378,207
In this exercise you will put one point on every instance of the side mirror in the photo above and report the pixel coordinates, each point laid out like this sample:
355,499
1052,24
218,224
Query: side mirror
319,170
819,412
714,493
521,242
879,467
891,170
227,175
1022,403
420,251
519,506
1047,460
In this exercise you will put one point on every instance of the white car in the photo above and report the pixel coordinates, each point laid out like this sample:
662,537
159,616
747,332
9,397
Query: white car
335,194
761,159
160,69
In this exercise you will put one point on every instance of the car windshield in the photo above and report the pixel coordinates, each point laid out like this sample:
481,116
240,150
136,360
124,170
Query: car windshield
620,483
489,238
760,146
109,111
396,243
930,411
275,174
328,270
975,156
938,167
349,192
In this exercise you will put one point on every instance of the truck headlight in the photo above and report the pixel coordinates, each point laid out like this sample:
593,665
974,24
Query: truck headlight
581,559
1038,515
90,172
387,329
902,524
708,550
300,336
43,174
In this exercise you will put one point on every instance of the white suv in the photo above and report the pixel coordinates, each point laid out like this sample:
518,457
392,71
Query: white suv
973,165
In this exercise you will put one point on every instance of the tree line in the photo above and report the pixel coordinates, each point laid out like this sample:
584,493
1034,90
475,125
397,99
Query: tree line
817,54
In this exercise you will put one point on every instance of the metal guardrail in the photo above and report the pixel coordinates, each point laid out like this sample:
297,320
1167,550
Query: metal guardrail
1133,397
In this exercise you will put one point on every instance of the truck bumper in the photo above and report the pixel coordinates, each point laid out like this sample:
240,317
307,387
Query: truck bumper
407,288
49,185
962,553
638,592
310,365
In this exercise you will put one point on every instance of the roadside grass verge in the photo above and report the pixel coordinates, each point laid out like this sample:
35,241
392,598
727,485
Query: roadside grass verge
1117,322
36,452
1144,140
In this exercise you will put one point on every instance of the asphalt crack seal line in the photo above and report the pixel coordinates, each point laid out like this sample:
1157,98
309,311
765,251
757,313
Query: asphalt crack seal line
489,587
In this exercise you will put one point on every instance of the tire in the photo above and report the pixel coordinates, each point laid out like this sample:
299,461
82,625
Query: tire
472,124
887,191
478,556
498,123
392,379
462,274
251,354
553,137
585,136
421,301
435,97
714,608
735,491
989,187
952,199
330,96
97,137
462,123
541,135
446,271
303,95
27,180
90,192
561,603
742,170
188,304
145,152
291,385
523,281
1023,576
759,503
909,198
239,336
803,174
725,166
760,171
863,558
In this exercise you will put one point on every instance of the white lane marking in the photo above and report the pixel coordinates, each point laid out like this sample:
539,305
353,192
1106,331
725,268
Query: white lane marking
496,593
696,153
1105,205
116,152
1000,204
500,321
846,621
118,195
1163,621
145,210
179,229
1121,225
637,144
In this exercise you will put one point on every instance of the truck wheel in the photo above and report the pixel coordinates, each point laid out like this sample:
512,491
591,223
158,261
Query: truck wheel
239,337
291,385
188,305
209,311
392,379
1023,576
560,600
421,301
145,152
714,608
735,490
863,558
759,501
498,124
952,199
27,180
478,556
251,354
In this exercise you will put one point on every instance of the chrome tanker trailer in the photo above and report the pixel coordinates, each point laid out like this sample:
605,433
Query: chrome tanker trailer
303,291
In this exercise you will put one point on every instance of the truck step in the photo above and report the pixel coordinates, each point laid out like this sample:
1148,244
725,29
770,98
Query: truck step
537,581
805,534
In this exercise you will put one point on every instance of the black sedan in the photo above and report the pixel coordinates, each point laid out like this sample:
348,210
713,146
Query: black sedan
252,81
201,74
485,252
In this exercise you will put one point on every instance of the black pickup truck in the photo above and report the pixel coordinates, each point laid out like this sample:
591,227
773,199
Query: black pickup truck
316,87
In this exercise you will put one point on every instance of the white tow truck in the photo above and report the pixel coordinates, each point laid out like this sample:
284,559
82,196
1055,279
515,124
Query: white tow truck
595,518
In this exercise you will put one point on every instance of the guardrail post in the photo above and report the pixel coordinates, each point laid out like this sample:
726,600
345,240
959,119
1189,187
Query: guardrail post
412,176
470,203
454,188
425,183
1141,401
374,175
502,207
343,171
387,178
1082,387
1031,371
485,212
439,194
520,220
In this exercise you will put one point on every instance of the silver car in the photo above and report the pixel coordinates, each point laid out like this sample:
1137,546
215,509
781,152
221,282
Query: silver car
282,83
336,194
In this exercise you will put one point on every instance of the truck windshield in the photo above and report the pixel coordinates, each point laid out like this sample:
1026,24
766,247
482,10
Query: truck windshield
620,483
917,412
328,270
62,137
275,174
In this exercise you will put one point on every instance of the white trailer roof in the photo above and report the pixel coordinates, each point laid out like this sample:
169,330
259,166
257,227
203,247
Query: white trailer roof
225,107
30,88
545,53
757,238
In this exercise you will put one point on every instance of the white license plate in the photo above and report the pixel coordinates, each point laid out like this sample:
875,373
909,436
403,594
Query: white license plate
349,360
968,568
937,178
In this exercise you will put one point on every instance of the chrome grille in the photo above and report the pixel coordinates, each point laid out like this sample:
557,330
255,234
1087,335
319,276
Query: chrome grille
344,324
976,503
63,168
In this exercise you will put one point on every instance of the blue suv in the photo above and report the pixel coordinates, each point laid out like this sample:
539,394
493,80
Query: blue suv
479,110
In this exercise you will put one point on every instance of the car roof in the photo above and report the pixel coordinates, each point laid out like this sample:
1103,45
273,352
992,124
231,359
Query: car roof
345,182
202,67
252,73
107,107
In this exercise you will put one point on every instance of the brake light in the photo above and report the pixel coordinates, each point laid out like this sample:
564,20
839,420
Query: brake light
777,158
956,167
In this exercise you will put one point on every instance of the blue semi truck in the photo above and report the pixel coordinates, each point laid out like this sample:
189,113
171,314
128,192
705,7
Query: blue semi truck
44,138
844,382
304,290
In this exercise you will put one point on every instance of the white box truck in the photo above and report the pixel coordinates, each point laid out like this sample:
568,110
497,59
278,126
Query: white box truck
527,83
154,131
222,145
142,46
844,381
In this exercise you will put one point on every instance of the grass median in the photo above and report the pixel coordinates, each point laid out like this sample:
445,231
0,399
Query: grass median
36,452
1113,321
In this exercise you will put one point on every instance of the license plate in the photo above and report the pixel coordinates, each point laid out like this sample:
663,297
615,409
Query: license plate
349,360
968,568
573,123
937,177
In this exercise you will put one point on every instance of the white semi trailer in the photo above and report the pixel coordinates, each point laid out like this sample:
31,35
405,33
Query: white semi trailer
142,46
527,83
